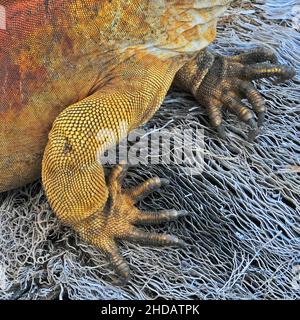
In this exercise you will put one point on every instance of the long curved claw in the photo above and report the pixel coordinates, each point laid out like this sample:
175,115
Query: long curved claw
251,122
288,73
214,109
261,119
221,131
248,91
119,265
253,130
236,106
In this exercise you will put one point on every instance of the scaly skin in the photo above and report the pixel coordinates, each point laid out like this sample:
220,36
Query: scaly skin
217,82
84,67
56,53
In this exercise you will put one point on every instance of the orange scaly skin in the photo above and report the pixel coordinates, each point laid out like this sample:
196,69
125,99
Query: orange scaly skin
55,53
81,66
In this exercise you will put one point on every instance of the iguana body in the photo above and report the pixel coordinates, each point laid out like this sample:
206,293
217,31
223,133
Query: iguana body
93,65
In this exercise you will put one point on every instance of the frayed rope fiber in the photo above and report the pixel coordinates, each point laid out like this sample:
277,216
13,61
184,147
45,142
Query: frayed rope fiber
244,222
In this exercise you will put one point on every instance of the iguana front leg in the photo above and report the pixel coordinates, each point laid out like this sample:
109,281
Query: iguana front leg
217,81
72,173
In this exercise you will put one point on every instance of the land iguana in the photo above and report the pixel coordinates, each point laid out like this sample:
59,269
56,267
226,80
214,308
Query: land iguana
70,68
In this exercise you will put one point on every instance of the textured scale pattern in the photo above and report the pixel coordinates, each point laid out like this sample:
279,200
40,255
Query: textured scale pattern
87,129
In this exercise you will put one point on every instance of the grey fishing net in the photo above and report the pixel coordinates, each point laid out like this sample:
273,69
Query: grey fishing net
244,223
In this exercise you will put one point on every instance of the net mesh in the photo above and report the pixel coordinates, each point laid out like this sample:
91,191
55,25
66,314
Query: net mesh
243,227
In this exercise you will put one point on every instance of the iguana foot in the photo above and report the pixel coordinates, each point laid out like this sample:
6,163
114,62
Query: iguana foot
120,216
225,81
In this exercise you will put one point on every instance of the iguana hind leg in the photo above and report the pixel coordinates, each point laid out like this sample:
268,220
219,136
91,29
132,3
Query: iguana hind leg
217,81
73,177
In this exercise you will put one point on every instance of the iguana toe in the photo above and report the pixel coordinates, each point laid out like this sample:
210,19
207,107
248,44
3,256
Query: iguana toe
228,83
224,82
121,216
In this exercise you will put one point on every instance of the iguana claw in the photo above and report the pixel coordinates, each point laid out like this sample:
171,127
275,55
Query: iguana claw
122,215
228,82
218,82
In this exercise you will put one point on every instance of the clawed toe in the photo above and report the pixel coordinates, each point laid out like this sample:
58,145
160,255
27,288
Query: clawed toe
154,239
142,190
122,216
119,264
147,218
255,55
228,83
265,70
224,82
